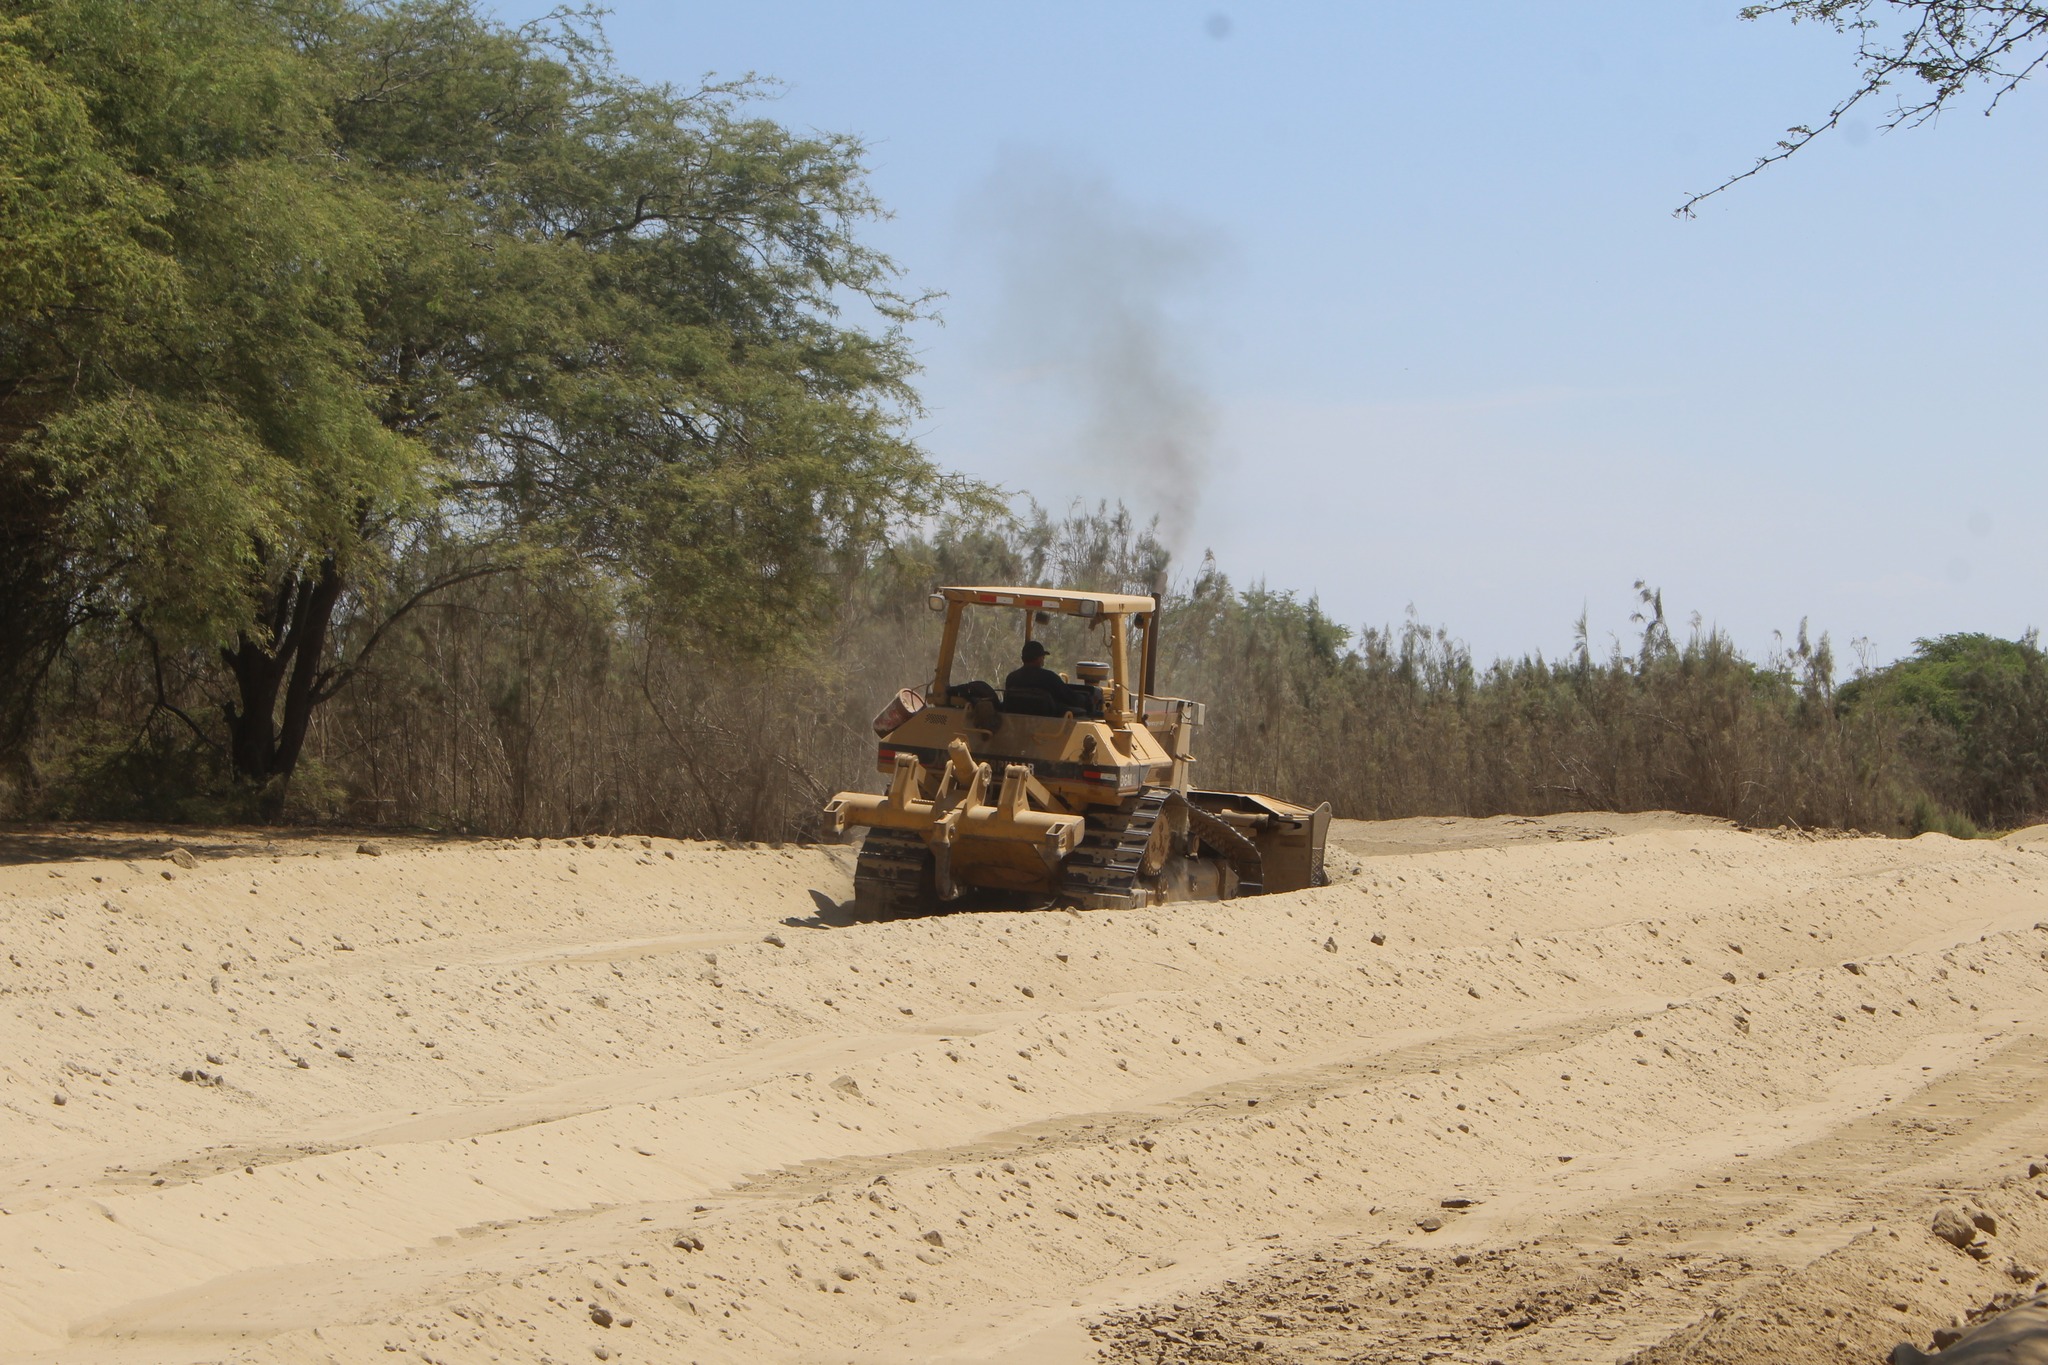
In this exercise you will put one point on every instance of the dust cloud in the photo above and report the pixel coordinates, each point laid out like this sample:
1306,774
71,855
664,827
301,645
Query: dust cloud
1096,295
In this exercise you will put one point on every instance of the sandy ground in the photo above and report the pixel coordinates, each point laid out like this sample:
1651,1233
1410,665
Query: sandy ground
1590,1088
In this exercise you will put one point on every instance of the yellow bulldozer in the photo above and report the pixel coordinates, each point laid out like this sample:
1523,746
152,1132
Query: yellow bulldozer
1074,791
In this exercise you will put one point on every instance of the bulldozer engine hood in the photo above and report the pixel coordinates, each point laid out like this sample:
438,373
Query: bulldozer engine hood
1127,776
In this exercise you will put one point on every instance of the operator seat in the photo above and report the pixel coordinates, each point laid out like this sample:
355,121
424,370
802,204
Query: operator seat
1032,701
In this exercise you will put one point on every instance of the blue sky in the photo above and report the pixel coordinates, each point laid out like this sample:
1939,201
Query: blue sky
1386,303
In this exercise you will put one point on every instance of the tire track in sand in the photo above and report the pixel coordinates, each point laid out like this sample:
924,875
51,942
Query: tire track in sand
641,1076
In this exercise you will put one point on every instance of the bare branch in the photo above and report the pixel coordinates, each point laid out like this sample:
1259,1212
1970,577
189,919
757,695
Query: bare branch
332,680
1950,45
163,701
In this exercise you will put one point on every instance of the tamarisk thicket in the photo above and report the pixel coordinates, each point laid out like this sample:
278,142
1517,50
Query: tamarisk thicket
532,703
409,419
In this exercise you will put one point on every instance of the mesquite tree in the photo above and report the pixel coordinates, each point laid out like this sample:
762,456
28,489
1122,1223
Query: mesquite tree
370,299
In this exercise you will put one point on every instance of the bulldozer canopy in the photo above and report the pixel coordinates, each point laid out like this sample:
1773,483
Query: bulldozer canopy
1050,599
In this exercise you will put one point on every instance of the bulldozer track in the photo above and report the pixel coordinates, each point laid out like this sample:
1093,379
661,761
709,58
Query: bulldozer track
893,875
1241,852
1104,871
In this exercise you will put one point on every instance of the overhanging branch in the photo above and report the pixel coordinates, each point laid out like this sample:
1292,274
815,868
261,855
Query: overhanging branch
332,680
1950,45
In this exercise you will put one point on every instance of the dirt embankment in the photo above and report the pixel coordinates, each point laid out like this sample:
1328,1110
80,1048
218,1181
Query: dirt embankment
1583,1089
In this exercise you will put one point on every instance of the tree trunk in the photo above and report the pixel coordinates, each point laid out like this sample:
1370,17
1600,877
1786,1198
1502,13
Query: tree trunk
278,677
39,601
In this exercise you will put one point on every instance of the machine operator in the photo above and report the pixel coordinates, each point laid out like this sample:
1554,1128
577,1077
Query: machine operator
1035,678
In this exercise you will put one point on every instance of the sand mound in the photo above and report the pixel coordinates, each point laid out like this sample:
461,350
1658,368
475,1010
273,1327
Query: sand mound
1588,1088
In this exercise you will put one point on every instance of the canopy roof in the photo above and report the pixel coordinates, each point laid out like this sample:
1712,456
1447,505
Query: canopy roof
1052,599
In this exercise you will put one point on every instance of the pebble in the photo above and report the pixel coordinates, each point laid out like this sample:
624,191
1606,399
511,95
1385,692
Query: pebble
370,850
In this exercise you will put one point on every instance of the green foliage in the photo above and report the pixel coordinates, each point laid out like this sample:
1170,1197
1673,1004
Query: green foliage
313,309
79,228
1947,679
172,499
157,778
615,315
81,271
183,389
1928,817
1974,713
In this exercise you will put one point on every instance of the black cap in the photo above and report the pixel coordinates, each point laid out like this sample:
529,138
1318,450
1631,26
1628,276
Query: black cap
1033,650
